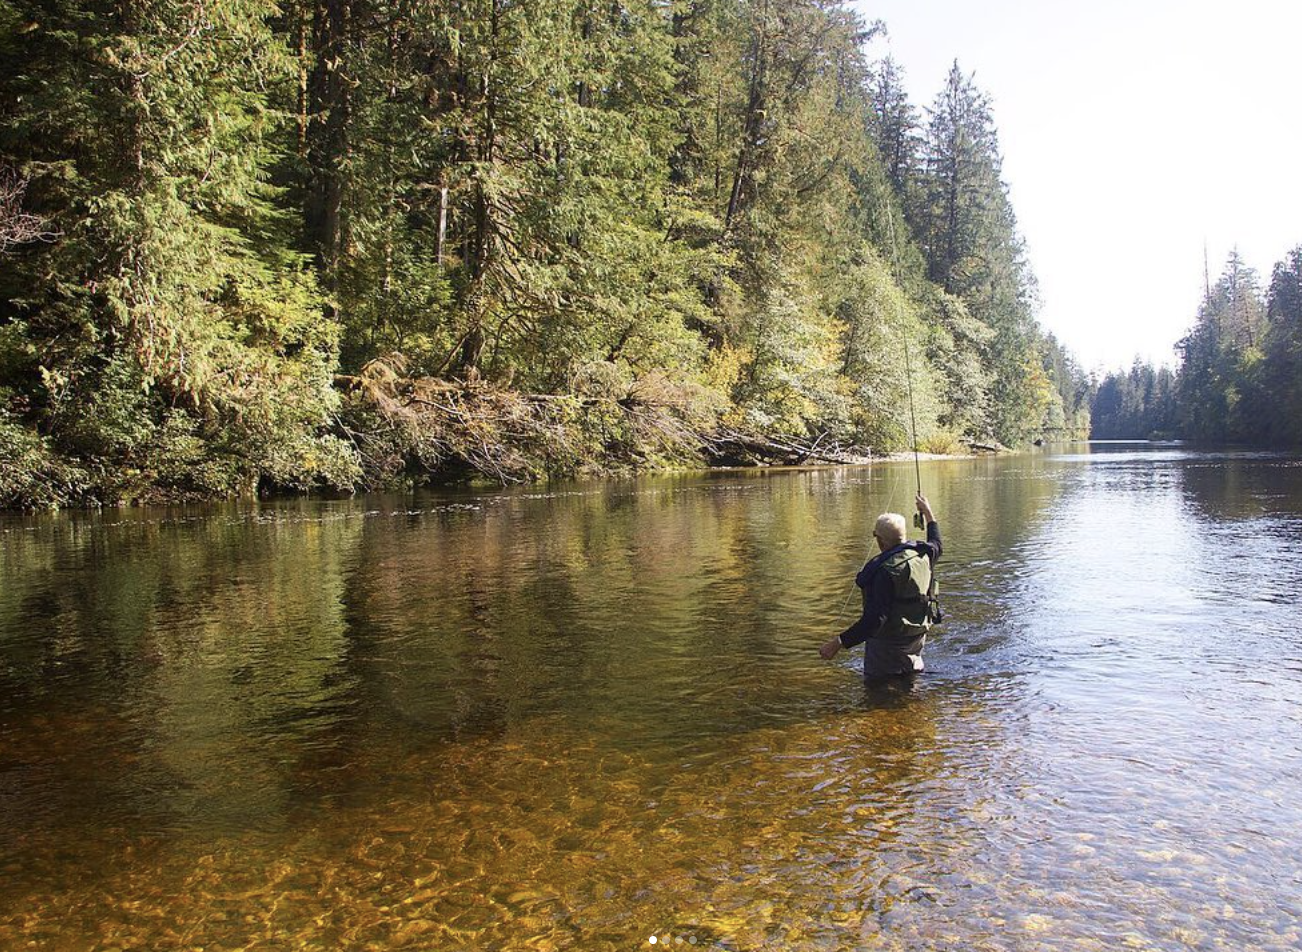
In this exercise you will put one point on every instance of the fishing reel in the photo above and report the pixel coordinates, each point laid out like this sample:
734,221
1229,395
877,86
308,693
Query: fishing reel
917,521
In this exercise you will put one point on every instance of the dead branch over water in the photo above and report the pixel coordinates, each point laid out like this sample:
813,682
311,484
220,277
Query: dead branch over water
433,427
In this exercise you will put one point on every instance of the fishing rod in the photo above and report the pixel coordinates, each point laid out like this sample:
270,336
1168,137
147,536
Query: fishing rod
913,427
908,379
908,363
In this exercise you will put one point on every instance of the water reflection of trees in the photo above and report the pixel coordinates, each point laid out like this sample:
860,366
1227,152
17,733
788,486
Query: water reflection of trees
162,668
639,654
1242,486
290,639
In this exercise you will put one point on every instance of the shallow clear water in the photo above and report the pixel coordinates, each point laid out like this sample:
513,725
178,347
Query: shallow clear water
584,716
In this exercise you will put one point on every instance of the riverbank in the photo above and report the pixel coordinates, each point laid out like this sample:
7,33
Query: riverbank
394,432
31,492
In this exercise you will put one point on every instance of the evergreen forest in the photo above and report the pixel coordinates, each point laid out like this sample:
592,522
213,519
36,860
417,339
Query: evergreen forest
249,246
1239,376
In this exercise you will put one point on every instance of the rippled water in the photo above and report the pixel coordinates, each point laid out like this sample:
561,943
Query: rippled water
583,717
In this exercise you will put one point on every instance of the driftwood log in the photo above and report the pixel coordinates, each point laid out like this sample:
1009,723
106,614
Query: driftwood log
427,425
733,447
399,422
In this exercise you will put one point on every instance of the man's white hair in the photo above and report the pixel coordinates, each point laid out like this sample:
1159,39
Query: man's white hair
891,528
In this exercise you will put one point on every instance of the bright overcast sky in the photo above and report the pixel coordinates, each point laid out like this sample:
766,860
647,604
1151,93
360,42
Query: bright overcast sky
1132,134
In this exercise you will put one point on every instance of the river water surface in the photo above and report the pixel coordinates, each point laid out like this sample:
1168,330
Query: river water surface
588,716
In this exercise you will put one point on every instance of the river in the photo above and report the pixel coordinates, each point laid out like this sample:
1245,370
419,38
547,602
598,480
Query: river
593,715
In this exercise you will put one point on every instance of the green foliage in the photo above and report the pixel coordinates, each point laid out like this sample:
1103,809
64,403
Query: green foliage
1219,356
174,294
884,339
1279,380
721,201
1136,405
1240,374
32,474
1069,409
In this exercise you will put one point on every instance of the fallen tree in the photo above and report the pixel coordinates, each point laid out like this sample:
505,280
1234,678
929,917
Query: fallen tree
436,428
727,446
428,428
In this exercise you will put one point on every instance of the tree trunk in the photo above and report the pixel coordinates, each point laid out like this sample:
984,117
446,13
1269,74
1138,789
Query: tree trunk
328,127
756,105
443,226
479,240
303,101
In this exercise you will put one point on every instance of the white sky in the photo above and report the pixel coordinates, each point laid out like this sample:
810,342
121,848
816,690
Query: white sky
1132,133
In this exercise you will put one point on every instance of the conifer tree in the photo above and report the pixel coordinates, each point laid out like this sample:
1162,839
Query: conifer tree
1280,394
968,233
1219,357
894,128
169,332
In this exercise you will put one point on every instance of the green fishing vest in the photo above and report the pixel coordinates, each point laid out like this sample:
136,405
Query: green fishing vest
910,574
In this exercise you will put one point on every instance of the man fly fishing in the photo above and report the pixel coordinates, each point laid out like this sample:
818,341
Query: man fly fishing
899,594
898,598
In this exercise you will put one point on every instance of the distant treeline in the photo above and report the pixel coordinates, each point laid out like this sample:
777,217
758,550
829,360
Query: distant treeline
1240,373
345,243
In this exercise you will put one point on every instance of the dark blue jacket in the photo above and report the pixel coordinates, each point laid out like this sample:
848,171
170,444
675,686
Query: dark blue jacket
879,593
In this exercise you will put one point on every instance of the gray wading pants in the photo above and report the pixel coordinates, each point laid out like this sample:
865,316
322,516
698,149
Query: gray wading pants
882,660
